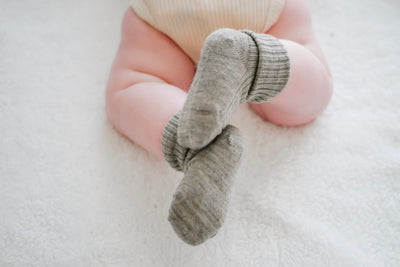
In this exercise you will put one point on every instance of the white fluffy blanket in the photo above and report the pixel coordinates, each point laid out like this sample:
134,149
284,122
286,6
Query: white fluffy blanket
73,192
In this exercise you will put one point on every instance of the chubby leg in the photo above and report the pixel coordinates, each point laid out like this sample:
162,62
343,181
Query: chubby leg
309,88
146,90
146,81
283,69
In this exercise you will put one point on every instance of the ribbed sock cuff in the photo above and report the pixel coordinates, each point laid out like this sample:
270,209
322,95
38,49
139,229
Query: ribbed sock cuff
273,68
176,155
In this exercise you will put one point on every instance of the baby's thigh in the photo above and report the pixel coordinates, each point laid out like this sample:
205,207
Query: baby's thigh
294,23
145,54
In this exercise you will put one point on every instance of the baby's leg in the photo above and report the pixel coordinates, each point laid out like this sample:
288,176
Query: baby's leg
144,95
309,88
146,81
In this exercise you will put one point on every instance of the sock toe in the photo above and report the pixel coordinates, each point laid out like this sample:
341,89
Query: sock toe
186,220
197,129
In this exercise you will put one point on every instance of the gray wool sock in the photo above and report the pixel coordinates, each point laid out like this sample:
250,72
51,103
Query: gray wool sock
234,67
200,203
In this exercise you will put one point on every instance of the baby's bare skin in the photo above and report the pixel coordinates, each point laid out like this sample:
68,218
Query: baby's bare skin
151,76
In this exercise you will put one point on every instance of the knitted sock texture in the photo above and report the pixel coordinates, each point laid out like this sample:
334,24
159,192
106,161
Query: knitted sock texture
234,67
273,68
200,203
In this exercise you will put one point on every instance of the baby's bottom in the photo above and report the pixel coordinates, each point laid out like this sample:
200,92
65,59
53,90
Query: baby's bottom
151,75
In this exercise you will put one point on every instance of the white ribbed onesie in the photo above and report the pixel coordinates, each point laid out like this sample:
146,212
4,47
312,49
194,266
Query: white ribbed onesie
189,22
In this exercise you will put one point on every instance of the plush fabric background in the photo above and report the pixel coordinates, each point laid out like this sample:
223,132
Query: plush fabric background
73,192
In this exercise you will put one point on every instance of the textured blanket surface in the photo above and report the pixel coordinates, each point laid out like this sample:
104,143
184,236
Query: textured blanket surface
73,192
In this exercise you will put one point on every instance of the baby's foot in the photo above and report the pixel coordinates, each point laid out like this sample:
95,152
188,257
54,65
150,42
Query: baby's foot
235,66
200,203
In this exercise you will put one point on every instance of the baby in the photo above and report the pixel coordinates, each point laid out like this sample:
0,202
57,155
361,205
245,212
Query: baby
182,69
